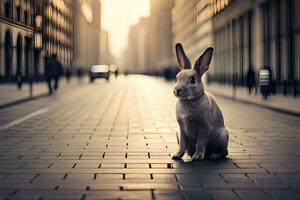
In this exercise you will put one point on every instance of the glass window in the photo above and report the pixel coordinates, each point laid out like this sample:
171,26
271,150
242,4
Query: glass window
296,33
7,8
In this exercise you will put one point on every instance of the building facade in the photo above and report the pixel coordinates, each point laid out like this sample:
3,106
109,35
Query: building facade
58,30
159,35
257,33
20,39
87,33
105,55
136,50
244,33
149,49
33,29
192,26
91,42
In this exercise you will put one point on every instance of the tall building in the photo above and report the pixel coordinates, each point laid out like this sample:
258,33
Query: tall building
91,43
58,29
257,33
150,47
136,50
192,26
20,39
87,30
105,55
159,49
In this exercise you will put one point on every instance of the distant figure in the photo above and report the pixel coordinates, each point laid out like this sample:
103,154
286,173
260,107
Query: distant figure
79,74
19,80
168,74
116,73
68,75
234,84
53,70
251,79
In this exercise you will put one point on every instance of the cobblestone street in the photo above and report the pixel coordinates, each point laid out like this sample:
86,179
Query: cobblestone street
115,140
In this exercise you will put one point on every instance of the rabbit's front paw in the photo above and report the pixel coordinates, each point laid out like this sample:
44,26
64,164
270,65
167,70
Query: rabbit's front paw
177,155
198,156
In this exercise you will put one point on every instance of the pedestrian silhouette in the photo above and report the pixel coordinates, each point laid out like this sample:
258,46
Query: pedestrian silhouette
251,79
234,84
79,74
53,70
19,80
68,74
116,73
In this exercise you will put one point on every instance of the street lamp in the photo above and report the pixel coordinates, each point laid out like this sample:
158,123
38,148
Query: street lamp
37,41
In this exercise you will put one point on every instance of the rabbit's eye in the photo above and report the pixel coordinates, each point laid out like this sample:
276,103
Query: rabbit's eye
193,80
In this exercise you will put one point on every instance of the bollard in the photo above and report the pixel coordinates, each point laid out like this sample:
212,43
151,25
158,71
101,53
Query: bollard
295,89
234,85
274,87
265,82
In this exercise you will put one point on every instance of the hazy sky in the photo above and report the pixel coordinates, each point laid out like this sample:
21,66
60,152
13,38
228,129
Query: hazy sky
118,16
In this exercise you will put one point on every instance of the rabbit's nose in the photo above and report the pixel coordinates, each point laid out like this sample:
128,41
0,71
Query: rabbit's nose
177,91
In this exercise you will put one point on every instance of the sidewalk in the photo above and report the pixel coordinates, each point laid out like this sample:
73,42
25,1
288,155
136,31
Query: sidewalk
289,104
11,95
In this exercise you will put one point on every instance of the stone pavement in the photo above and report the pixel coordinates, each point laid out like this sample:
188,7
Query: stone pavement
114,141
284,104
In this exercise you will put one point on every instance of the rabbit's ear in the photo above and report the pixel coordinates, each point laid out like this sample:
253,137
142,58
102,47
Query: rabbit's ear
182,59
202,63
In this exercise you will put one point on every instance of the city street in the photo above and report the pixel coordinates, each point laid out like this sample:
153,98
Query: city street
114,141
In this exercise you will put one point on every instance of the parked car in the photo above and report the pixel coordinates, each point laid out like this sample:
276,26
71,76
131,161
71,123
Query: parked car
99,71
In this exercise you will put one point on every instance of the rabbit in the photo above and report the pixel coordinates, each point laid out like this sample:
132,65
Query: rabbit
202,130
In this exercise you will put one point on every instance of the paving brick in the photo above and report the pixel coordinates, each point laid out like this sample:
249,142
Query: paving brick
78,176
190,195
109,176
250,185
137,166
168,195
283,194
253,194
93,195
137,176
236,178
223,194
112,165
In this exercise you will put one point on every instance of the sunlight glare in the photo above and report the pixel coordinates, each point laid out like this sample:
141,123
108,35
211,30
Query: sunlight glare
118,16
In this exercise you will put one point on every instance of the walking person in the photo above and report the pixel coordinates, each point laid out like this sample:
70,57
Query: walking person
68,74
251,79
53,71
116,73
234,84
79,74
19,80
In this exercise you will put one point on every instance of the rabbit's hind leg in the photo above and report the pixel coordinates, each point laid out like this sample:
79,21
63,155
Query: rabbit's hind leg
218,148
